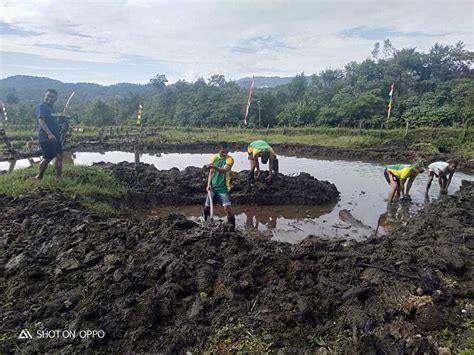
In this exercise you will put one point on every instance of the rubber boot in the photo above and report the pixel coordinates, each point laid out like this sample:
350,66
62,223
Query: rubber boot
231,219
206,213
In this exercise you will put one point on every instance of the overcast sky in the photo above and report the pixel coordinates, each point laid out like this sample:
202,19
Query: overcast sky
131,41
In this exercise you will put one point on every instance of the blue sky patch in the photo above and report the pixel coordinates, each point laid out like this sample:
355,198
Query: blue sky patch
374,33
8,30
255,44
63,47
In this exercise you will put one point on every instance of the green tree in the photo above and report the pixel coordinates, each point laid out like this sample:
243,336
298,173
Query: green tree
159,81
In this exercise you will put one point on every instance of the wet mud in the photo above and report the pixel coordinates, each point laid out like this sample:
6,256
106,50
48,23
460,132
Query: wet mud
170,285
188,187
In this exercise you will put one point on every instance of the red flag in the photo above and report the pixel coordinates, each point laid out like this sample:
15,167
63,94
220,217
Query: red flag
249,100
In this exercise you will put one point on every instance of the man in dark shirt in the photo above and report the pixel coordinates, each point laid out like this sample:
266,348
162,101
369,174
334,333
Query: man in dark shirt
49,134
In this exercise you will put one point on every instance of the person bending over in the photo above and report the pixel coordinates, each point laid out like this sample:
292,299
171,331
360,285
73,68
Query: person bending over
261,149
400,178
441,170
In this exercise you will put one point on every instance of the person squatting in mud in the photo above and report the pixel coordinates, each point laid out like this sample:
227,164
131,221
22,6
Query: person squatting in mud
261,149
397,176
218,182
49,134
441,170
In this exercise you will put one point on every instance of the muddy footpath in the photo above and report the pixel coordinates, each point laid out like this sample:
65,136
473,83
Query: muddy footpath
171,285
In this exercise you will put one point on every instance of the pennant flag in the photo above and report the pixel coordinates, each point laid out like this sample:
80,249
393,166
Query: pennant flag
139,115
67,102
4,112
249,100
389,109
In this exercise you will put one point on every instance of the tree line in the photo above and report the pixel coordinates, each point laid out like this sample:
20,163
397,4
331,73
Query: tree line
433,88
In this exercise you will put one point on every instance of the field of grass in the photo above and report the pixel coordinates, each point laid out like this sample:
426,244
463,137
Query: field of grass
444,139
83,180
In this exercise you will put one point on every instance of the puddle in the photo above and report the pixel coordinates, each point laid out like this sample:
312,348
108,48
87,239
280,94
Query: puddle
362,186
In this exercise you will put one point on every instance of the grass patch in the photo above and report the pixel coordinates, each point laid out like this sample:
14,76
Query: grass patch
445,139
100,207
426,148
236,339
85,180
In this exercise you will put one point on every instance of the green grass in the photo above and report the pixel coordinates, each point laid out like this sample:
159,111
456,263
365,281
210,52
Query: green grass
85,180
428,140
82,180
100,207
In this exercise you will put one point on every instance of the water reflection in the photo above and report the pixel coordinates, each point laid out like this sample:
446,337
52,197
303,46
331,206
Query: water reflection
362,186
286,223
397,215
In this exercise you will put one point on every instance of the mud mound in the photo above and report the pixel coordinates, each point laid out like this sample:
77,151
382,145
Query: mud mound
170,285
187,187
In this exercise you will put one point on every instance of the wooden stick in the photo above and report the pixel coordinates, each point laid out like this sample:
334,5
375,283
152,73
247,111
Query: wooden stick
392,271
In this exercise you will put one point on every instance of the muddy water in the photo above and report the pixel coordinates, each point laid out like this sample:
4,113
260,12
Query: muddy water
362,186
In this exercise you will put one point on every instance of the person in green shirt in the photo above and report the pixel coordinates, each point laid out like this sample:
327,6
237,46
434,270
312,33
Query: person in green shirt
218,182
261,149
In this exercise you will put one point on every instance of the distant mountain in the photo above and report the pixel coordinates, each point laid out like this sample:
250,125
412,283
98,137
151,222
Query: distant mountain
31,88
264,81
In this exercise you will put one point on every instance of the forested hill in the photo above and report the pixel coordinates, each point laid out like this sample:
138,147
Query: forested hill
31,88
264,81
430,88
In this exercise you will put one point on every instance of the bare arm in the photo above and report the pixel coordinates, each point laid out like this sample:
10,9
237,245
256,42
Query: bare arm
257,165
402,187
449,180
225,169
428,184
410,182
45,128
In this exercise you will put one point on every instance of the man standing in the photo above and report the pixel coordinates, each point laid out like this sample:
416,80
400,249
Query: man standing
218,182
261,149
441,170
397,175
49,136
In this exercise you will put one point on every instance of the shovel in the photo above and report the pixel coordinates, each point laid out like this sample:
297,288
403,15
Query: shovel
210,219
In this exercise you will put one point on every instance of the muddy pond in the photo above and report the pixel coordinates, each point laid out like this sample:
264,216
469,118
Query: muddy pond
361,184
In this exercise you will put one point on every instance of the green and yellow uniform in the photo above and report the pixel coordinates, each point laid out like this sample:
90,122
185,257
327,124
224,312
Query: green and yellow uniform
257,147
401,171
220,182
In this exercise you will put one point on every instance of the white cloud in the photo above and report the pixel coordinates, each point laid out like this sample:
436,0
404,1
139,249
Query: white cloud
199,38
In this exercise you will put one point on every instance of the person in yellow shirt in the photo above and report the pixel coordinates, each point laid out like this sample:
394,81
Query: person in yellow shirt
261,149
400,178
218,182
